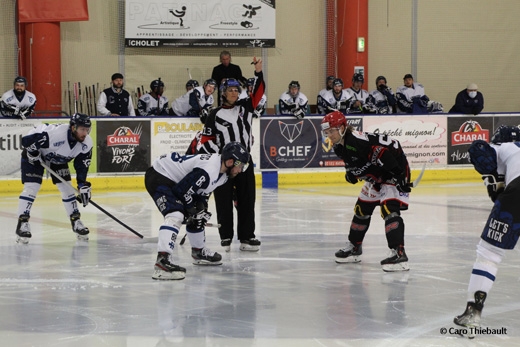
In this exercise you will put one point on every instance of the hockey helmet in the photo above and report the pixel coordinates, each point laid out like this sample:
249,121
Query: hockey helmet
237,152
156,84
192,84
230,82
210,81
294,84
379,78
333,120
80,120
330,78
506,133
358,78
20,79
337,82
251,81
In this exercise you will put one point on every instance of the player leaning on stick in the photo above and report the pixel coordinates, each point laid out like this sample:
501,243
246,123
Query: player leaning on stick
56,144
233,122
499,164
379,161
180,186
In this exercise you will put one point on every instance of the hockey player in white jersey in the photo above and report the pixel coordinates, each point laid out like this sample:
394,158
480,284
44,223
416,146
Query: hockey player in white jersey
499,164
196,102
336,99
56,145
153,103
321,95
382,99
358,96
18,102
293,101
180,186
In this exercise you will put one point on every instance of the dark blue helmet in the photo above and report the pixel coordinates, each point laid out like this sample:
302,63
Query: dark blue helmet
230,82
156,84
235,151
338,82
192,84
358,78
506,133
210,81
20,79
251,81
80,120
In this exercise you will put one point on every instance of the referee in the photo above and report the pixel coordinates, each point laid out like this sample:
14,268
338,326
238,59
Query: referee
233,122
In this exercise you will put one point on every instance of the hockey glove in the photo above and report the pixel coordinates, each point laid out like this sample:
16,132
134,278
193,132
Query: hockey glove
299,113
199,220
257,113
401,183
84,193
494,184
34,157
203,115
350,178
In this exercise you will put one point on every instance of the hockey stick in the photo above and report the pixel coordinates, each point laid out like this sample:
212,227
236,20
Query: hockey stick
75,97
415,183
51,171
210,225
189,73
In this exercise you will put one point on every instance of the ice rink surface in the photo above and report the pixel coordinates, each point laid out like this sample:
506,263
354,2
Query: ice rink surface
58,291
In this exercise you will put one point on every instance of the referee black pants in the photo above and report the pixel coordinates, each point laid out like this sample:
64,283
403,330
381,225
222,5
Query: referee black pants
246,195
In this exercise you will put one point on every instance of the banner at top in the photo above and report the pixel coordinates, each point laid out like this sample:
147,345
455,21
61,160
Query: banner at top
200,23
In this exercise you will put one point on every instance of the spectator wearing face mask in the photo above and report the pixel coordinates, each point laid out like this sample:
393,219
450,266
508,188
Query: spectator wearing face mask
468,101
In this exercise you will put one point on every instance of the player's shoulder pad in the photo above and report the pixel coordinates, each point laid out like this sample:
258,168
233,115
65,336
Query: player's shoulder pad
483,157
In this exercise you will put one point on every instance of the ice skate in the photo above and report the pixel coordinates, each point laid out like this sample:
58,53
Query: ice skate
23,229
471,316
349,254
78,227
204,256
226,243
251,245
165,270
396,261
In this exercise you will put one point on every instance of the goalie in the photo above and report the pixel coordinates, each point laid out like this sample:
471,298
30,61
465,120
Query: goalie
380,161
18,102
499,164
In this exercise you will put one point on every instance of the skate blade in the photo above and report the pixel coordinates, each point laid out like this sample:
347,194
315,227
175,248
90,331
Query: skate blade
206,262
353,259
22,240
248,248
396,267
82,237
168,276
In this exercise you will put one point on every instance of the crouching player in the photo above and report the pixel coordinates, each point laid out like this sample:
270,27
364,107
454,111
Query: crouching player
56,145
180,186
380,161
499,165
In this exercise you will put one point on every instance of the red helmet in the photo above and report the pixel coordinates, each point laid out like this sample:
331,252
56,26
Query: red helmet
333,120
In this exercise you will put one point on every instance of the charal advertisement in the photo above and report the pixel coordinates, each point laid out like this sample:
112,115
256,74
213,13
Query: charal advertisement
123,146
463,132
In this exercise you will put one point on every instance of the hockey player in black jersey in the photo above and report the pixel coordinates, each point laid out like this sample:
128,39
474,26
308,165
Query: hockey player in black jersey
379,161
233,122
180,186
